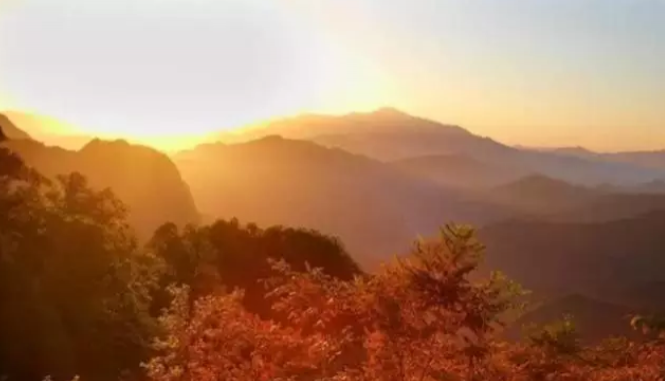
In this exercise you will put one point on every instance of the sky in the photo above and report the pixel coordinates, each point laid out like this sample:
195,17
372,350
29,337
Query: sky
529,72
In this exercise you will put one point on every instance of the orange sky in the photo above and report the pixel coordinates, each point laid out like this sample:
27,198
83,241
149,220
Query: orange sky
546,73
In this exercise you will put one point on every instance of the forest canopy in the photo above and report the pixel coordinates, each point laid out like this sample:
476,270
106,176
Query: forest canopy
80,296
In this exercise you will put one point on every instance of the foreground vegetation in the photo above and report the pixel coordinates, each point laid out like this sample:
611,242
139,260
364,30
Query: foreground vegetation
80,296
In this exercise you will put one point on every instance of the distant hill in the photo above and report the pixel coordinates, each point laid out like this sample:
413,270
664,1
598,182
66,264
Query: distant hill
610,207
595,259
542,195
651,187
47,130
650,159
576,151
386,134
391,135
145,179
643,296
458,171
593,319
543,198
647,159
11,131
375,209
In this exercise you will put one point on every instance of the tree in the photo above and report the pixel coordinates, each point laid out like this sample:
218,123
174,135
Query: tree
419,319
227,254
73,284
218,339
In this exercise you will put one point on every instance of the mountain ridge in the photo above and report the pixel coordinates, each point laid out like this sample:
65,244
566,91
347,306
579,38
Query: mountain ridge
10,130
394,135
145,179
371,206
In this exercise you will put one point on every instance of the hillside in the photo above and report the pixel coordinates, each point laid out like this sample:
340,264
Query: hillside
541,195
375,209
385,134
647,159
392,135
651,159
543,198
10,130
48,130
145,179
593,319
610,207
595,259
458,171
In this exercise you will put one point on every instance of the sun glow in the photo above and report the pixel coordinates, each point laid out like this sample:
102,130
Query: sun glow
168,72
169,75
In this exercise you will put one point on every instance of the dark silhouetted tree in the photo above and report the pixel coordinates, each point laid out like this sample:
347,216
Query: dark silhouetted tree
74,288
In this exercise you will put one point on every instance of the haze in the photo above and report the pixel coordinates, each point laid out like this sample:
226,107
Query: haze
537,73
413,190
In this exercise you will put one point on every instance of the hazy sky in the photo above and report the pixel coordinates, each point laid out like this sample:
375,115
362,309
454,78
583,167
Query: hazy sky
535,72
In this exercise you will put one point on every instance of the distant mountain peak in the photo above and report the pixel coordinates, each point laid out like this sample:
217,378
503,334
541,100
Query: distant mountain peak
271,138
537,178
574,150
541,183
390,112
10,130
579,151
538,184
101,142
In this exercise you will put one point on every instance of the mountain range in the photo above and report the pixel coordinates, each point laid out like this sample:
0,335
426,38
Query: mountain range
391,135
47,130
605,260
374,208
11,131
145,179
594,320
579,228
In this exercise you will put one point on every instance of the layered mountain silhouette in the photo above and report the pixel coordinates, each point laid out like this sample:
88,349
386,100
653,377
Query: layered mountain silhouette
374,208
594,320
549,199
582,229
44,129
10,130
601,260
653,159
542,196
459,171
145,179
647,159
391,135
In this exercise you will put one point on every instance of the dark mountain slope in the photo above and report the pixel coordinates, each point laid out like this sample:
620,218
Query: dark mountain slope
543,198
598,259
385,134
145,179
542,195
11,131
391,135
651,159
375,209
458,171
48,130
610,207
648,159
594,320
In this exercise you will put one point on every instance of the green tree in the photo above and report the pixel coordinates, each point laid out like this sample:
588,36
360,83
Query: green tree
421,318
73,284
229,255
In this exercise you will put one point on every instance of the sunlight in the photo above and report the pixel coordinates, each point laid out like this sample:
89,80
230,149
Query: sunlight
167,81
253,190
